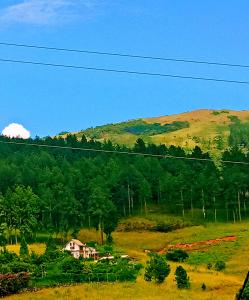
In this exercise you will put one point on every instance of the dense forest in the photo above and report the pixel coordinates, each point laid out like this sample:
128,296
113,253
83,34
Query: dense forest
239,133
56,189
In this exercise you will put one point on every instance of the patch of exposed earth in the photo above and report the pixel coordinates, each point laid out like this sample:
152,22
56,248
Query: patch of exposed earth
196,245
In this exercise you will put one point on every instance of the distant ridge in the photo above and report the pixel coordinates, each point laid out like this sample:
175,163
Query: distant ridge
206,128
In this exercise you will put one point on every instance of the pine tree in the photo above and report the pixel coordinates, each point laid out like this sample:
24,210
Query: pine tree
24,251
157,269
182,279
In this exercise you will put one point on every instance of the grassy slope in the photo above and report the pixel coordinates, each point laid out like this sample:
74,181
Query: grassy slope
220,285
204,124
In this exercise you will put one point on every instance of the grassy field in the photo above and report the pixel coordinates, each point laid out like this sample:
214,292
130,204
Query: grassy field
204,126
220,285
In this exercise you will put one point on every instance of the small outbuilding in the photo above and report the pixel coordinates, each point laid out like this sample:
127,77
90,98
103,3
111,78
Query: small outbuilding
78,249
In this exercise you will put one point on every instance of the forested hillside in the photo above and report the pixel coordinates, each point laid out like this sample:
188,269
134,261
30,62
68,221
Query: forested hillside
57,190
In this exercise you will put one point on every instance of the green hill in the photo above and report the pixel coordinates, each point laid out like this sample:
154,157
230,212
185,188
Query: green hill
209,129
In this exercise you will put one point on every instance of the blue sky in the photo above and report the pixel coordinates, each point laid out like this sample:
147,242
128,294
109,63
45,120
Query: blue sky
50,100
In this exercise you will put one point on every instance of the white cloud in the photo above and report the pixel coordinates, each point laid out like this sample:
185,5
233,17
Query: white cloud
47,12
16,131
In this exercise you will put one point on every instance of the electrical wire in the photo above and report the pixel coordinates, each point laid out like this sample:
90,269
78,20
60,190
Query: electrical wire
135,56
121,152
122,71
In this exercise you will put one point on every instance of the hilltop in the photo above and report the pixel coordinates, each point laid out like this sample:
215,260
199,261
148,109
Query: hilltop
208,129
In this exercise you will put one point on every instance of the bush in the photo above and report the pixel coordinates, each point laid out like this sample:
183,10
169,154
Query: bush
209,266
177,255
7,257
38,271
136,224
126,271
105,250
68,270
113,270
71,265
245,294
163,226
19,266
92,244
157,269
13,283
36,259
220,265
4,269
181,277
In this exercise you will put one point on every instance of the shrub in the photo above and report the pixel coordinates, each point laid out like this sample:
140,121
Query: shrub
245,294
220,265
164,227
209,266
126,271
6,256
113,270
177,255
38,271
51,252
68,270
157,269
4,269
13,283
19,266
36,259
92,244
71,265
136,224
105,250
181,277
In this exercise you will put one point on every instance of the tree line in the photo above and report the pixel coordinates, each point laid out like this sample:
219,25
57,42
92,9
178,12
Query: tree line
61,190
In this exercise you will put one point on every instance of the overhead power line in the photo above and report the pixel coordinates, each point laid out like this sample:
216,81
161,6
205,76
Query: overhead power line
122,152
120,71
119,54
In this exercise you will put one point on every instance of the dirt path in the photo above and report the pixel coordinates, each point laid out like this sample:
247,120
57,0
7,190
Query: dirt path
199,244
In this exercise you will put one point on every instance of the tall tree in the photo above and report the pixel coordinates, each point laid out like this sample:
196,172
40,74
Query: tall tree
100,206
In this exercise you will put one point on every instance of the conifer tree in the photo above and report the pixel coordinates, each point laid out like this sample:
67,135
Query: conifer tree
24,251
182,279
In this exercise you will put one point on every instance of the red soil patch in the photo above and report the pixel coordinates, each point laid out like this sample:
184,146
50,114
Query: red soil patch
199,244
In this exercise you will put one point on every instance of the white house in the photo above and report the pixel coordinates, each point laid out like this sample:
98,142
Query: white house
78,249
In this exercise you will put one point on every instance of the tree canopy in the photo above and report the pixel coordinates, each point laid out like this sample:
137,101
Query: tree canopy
58,190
